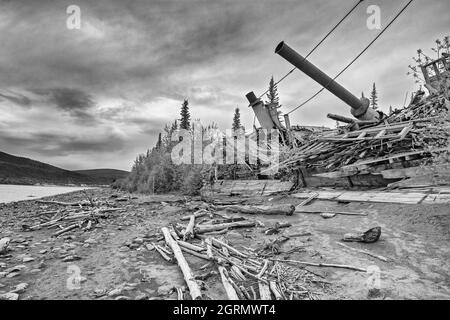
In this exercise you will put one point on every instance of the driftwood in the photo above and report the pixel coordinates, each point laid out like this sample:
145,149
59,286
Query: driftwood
285,209
299,210
189,233
264,291
194,288
195,253
237,252
69,204
275,290
229,289
364,251
311,198
322,265
162,253
60,232
216,227
190,246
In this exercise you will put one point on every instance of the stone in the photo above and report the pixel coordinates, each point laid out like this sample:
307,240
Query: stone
138,240
20,288
9,296
115,292
141,296
4,242
71,258
28,259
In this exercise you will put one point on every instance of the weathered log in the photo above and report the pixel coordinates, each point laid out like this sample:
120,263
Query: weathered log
343,266
285,209
311,198
275,290
364,251
195,253
190,246
189,233
69,204
229,289
237,252
217,227
60,232
194,288
264,291
346,213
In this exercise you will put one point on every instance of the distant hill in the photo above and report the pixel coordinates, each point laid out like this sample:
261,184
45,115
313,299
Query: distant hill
104,176
19,170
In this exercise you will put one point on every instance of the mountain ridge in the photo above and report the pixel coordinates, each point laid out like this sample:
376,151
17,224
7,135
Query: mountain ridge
21,170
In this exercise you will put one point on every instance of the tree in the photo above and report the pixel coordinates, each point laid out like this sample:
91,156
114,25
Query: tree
185,122
374,97
159,142
272,95
236,120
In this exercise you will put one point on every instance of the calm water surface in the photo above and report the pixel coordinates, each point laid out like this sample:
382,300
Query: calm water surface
11,193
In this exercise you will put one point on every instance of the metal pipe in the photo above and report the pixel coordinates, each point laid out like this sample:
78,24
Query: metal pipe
359,106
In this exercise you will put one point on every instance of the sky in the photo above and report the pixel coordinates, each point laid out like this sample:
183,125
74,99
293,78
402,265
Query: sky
97,96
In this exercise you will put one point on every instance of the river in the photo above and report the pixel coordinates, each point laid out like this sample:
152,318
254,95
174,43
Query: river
11,193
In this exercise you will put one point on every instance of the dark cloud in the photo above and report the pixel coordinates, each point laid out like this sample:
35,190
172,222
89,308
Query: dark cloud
18,99
77,102
134,61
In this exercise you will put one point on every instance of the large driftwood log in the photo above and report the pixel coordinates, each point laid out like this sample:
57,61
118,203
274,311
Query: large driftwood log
229,289
215,227
194,288
285,209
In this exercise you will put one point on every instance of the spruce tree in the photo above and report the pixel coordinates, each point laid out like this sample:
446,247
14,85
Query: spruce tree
272,95
185,116
374,97
236,120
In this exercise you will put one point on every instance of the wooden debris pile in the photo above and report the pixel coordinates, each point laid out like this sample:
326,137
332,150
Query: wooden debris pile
64,216
415,134
245,273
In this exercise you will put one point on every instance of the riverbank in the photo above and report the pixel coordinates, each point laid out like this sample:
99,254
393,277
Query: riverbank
115,258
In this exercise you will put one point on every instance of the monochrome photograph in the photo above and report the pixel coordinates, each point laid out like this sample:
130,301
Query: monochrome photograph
233,152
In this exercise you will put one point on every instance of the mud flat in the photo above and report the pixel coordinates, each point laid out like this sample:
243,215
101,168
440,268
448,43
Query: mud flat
113,256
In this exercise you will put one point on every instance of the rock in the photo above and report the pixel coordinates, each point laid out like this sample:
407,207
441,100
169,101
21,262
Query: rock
71,258
99,292
43,251
138,240
141,296
122,298
9,296
4,242
115,292
327,215
12,274
134,246
20,288
28,259
90,241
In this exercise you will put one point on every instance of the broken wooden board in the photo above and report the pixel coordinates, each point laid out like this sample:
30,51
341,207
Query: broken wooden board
377,196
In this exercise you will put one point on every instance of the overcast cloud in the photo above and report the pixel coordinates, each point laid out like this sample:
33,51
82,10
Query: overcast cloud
95,97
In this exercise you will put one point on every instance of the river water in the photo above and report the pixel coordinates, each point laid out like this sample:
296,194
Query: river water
11,193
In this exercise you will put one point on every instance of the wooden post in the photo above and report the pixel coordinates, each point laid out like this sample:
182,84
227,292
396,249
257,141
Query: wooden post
194,288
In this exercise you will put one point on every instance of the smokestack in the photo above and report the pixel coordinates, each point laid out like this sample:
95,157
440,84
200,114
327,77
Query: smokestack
360,107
